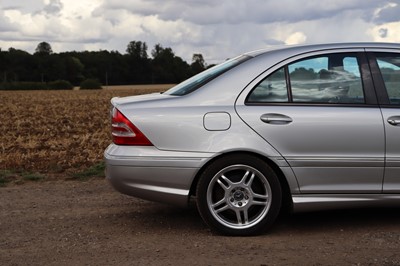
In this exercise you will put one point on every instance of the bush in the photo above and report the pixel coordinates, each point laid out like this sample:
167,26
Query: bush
90,84
60,85
54,85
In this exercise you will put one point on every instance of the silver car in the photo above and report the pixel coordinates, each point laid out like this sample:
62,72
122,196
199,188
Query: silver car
307,127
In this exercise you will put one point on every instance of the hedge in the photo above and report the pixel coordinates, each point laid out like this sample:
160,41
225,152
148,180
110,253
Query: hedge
54,85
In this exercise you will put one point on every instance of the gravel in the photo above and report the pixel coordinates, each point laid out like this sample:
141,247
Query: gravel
88,223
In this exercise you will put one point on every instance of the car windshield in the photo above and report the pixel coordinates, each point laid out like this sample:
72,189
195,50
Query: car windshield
204,77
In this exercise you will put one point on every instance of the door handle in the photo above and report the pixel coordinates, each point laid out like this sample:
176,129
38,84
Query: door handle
394,120
277,119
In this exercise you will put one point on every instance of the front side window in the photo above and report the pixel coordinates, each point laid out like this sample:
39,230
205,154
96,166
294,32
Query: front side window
327,79
389,65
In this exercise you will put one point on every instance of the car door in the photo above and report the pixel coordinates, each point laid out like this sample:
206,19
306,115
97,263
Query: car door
386,69
320,113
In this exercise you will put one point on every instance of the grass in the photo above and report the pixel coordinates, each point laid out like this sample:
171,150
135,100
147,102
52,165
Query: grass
5,177
3,182
96,170
32,176
18,176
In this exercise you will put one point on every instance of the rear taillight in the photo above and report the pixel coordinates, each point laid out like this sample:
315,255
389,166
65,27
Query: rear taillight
124,132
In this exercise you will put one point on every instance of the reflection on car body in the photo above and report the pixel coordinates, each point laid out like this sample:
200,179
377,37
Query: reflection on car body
312,127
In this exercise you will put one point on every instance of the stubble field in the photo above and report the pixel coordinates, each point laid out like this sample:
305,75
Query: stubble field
58,132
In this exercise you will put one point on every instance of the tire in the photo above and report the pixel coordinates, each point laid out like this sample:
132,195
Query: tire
239,195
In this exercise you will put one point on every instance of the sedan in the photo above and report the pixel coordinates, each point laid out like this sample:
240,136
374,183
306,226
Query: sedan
307,128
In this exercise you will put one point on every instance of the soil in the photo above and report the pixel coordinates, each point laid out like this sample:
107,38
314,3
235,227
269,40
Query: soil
88,223
58,131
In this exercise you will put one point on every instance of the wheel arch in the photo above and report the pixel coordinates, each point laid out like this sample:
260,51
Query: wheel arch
287,202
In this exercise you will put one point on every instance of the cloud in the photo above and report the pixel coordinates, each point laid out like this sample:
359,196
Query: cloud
388,13
296,38
53,7
217,29
237,11
388,32
224,28
5,24
22,6
386,18
383,33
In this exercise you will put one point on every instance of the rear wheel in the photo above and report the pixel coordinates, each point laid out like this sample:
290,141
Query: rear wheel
239,195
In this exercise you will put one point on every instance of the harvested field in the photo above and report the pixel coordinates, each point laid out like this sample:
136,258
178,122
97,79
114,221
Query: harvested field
53,132
88,223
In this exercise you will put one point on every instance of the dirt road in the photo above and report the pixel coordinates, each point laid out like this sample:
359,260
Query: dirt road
88,223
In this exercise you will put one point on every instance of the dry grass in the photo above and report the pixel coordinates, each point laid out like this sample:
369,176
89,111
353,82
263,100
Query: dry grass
58,131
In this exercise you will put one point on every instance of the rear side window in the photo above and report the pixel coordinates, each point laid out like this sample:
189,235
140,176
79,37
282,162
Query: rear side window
389,65
272,89
328,79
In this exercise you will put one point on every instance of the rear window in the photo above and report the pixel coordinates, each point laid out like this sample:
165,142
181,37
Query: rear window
204,77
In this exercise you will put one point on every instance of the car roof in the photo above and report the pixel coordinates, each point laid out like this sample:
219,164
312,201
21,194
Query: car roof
298,49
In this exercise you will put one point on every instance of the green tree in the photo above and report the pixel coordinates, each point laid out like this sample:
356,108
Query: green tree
198,63
43,48
156,50
138,62
168,68
45,65
137,49
74,69
3,66
19,65
110,68
162,64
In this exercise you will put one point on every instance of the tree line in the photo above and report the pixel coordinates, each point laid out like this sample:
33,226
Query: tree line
108,67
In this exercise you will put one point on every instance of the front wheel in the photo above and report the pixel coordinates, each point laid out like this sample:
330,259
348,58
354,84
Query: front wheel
239,195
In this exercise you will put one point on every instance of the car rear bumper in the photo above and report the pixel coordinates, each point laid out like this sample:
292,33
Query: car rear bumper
152,174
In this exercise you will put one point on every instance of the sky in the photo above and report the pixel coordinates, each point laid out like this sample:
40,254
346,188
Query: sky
216,29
